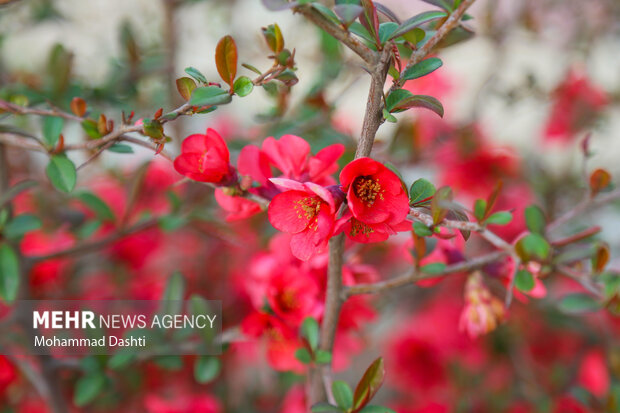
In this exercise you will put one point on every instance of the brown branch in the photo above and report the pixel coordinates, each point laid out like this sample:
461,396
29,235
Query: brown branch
415,275
338,32
21,110
584,206
450,24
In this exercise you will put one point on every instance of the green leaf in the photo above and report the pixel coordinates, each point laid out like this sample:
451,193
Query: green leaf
52,128
422,68
342,394
196,74
440,204
348,12
359,30
87,388
386,30
388,116
376,409
121,359
310,331
420,190
433,268
369,384
173,294
535,219
206,368
533,246
172,222
303,355
579,303
209,96
401,100
421,230
243,86
499,218
480,207
325,11
61,172
171,363
91,129
323,407
9,273
120,148
323,357
416,21
524,280
97,205
20,225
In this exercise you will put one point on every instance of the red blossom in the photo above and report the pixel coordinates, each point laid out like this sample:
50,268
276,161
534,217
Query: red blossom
593,373
236,207
293,296
307,211
205,158
365,233
375,194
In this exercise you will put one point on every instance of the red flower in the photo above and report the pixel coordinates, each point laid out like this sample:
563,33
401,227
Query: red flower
307,211
236,207
593,374
205,158
375,194
293,295
577,103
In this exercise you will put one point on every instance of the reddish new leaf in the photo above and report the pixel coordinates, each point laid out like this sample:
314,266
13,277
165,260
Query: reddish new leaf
78,106
369,384
226,59
599,180
492,199
186,86
370,19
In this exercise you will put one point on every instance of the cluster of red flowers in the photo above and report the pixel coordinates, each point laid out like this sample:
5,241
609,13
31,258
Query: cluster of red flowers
304,200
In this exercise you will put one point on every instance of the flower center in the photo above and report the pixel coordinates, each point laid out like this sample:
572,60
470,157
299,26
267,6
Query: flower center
368,190
308,208
360,228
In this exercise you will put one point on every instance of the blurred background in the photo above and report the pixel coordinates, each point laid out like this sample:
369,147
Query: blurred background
520,95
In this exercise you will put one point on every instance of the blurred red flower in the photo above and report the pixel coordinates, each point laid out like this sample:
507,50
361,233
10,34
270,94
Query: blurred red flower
205,158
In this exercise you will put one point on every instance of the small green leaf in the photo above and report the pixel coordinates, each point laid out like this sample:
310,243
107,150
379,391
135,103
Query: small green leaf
196,74
386,30
243,86
416,21
87,388
206,368
97,205
91,129
323,357
533,246
440,204
342,394
303,355
348,12
535,219
52,128
420,190
310,331
401,100
524,280
480,207
579,303
421,230
9,273
499,218
61,172
170,362
209,96
20,225
388,116
172,222
173,294
422,68
121,360
120,148
433,268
